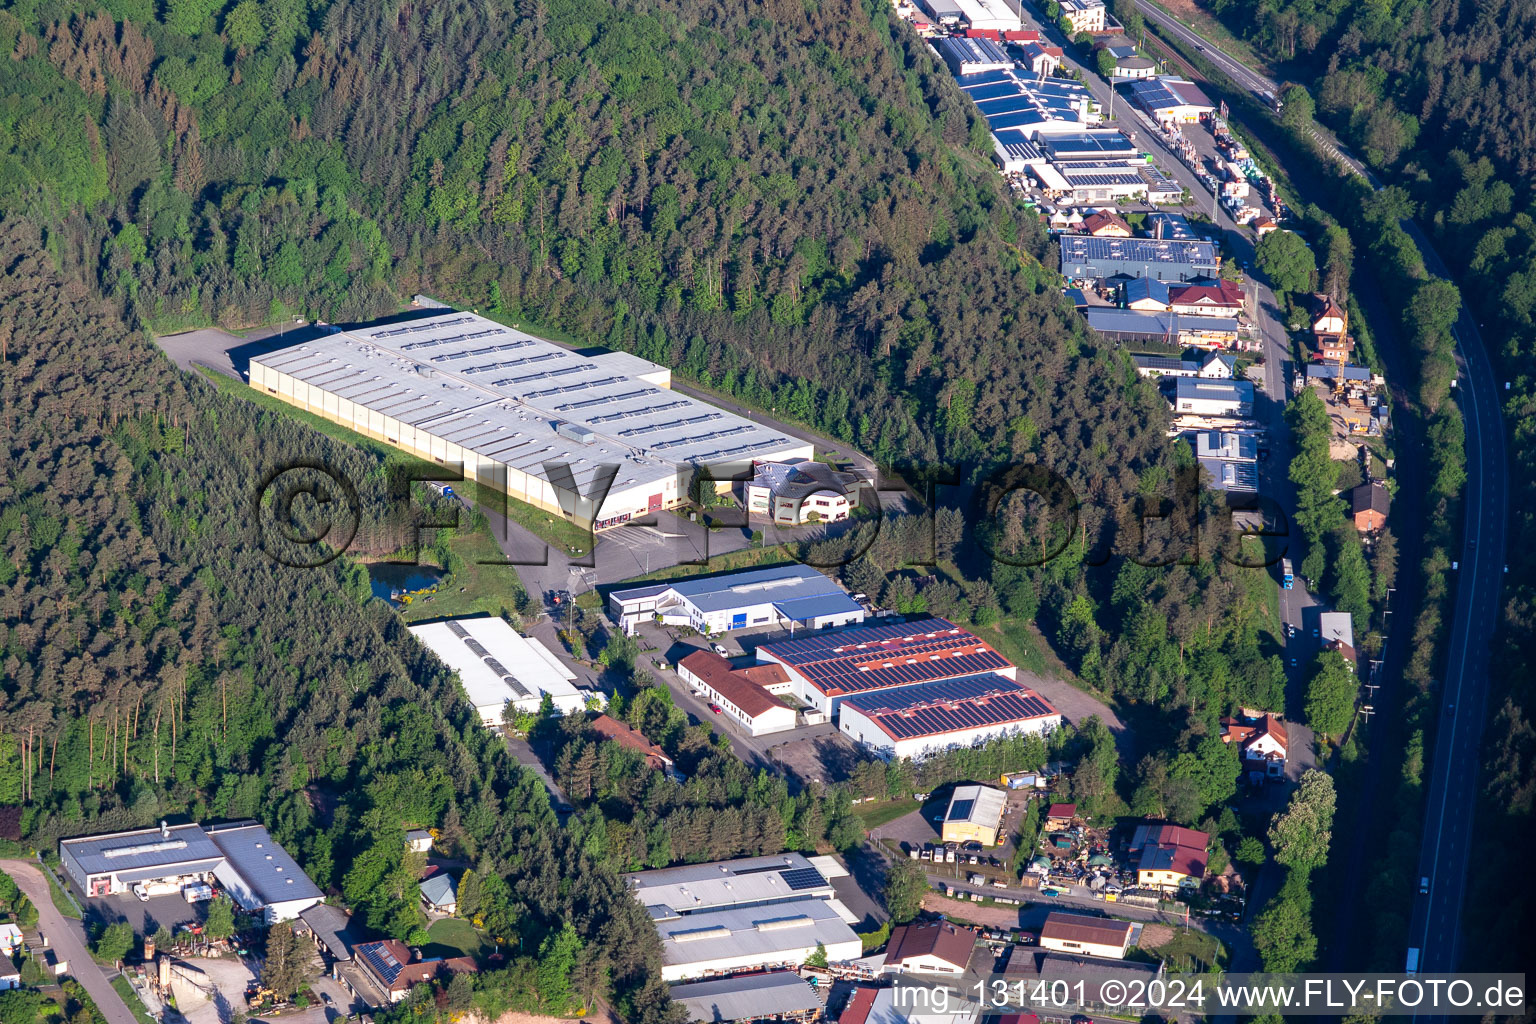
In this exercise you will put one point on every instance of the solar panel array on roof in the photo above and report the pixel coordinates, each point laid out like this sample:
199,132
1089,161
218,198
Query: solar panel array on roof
950,705
381,961
876,657
803,878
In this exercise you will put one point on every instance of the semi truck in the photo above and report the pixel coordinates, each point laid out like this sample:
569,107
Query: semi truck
1413,961
1287,580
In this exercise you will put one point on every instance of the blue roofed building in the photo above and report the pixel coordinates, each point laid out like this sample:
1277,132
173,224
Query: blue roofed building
919,721
1146,294
756,598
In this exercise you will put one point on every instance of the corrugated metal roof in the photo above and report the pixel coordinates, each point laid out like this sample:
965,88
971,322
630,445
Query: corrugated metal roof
746,997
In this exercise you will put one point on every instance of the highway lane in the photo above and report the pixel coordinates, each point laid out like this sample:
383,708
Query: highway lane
1445,853
1233,68
1446,849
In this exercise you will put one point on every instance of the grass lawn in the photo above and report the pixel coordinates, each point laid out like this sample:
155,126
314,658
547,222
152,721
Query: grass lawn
881,812
486,586
61,902
1191,950
121,986
554,531
454,936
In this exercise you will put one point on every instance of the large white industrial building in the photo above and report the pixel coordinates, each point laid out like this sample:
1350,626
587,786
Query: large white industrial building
549,426
242,857
741,938
498,666
737,915
920,721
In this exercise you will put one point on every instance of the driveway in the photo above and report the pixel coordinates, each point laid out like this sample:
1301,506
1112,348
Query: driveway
67,939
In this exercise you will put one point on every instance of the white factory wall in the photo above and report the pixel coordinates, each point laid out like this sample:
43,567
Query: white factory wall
525,487
836,951
859,727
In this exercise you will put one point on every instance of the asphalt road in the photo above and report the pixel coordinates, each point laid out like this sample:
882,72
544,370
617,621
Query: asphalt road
1447,844
67,938
1446,849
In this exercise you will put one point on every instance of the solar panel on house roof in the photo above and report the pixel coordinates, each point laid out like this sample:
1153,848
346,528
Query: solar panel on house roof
803,878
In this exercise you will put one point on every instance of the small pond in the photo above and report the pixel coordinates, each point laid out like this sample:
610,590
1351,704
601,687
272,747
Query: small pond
391,580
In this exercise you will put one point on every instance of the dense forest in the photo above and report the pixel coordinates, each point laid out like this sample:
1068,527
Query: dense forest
783,201
1435,95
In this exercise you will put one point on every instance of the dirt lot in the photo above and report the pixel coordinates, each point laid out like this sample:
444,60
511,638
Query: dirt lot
963,910
1155,935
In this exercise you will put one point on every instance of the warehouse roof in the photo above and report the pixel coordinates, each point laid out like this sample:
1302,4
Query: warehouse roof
1172,226
148,848
1154,323
1094,145
502,394
1195,253
740,690
700,887
736,932
959,51
1226,444
747,997
875,657
948,705
796,591
495,663
266,867
976,805
1214,390
1083,928
1159,94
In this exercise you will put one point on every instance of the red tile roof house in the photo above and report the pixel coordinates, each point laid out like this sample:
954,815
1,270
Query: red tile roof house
936,947
1261,739
743,696
1221,299
1107,224
389,964
1170,855
628,736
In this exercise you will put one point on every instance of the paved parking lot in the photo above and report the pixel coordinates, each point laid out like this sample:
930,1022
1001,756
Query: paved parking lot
144,917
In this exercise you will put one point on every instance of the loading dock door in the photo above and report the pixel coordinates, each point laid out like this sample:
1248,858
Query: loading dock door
738,620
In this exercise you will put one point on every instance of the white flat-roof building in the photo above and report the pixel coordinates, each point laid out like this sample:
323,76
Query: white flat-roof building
776,596
919,721
257,872
769,995
742,938
755,881
545,424
1201,397
498,666
996,15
